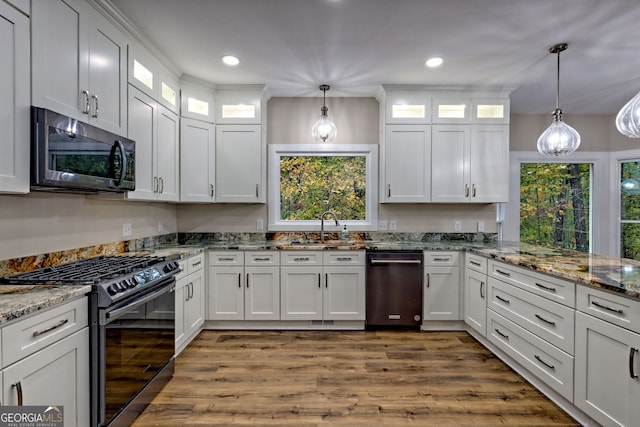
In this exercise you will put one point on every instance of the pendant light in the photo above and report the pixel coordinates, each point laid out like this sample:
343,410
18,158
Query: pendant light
559,139
628,118
324,129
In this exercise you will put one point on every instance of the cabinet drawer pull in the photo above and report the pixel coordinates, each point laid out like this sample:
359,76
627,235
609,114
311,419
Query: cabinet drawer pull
18,387
504,273
481,290
226,259
632,353
477,264
546,288
504,300
549,322
543,362
301,258
51,328
197,263
344,258
604,307
442,259
262,259
505,336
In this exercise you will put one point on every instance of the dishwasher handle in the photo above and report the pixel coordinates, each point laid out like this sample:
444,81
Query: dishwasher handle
395,261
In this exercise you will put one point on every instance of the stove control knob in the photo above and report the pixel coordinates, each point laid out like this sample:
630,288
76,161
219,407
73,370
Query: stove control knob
122,286
170,266
112,289
130,283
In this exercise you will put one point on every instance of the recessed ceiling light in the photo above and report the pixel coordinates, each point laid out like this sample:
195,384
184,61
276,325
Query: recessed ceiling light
230,60
435,61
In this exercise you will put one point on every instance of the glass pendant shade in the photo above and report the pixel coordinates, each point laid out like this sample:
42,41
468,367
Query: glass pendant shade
628,119
324,129
559,139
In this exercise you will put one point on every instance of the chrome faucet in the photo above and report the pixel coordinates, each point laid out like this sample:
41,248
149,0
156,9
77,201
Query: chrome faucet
335,218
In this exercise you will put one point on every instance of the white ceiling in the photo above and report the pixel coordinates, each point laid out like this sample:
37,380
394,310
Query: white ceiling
292,46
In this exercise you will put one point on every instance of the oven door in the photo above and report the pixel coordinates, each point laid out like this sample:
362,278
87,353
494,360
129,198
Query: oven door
136,341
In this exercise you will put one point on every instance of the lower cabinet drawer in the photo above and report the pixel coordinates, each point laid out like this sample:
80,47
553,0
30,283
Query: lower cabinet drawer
33,333
551,365
549,320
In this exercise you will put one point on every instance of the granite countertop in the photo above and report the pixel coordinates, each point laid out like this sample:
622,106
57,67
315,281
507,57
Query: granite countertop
609,273
20,300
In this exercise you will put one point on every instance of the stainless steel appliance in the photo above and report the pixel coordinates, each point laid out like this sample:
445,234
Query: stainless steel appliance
394,289
71,156
132,320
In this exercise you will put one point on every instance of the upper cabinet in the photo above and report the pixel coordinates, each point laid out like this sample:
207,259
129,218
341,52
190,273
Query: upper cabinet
15,102
149,76
240,105
465,156
79,63
197,102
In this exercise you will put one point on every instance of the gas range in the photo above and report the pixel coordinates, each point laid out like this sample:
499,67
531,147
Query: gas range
114,278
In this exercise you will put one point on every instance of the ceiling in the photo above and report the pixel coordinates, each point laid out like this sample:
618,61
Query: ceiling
292,46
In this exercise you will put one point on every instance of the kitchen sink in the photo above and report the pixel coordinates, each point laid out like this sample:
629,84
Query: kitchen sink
327,244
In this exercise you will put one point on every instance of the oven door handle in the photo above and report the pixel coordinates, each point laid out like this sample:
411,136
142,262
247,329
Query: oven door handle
114,314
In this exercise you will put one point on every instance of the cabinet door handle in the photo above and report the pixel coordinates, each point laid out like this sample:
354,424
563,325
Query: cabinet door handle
155,184
539,359
247,280
161,185
473,190
388,190
549,322
96,110
604,307
466,190
51,328
239,280
319,280
481,290
504,300
326,280
87,104
212,190
257,191
503,335
187,297
18,387
504,273
546,288
428,279
632,353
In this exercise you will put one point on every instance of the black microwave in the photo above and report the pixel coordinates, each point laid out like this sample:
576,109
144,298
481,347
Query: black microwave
71,156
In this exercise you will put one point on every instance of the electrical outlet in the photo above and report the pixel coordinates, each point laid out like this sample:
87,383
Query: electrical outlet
382,225
161,227
480,226
393,225
457,225
259,224
126,230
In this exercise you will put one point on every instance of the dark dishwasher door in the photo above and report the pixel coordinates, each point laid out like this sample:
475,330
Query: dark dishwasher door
394,289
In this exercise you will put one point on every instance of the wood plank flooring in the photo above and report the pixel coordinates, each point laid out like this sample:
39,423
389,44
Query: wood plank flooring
361,378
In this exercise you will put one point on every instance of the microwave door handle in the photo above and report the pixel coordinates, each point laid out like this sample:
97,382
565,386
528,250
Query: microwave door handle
123,153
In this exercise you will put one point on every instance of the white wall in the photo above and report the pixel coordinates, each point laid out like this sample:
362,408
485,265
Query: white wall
45,222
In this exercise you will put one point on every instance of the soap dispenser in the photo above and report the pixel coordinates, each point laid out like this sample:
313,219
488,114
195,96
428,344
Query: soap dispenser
345,233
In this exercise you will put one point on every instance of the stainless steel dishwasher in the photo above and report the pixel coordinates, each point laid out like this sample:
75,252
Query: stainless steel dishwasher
394,289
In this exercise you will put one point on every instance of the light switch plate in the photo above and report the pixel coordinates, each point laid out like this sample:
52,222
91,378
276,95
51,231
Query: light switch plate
259,224
457,225
393,225
480,226
382,225
126,230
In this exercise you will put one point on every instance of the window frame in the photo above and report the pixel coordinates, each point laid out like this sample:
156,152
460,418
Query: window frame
600,232
276,151
617,158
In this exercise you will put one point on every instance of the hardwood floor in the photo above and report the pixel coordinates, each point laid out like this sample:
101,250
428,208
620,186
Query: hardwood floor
372,378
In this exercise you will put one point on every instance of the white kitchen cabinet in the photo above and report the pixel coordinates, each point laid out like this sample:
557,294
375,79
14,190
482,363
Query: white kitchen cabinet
441,286
48,361
406,167
197,161
15,102
197,101
475,293
406,107
79,63
189,300
240,104
607,366
155,130
470,163
240,164
244,286
323,285
465,110
147,75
